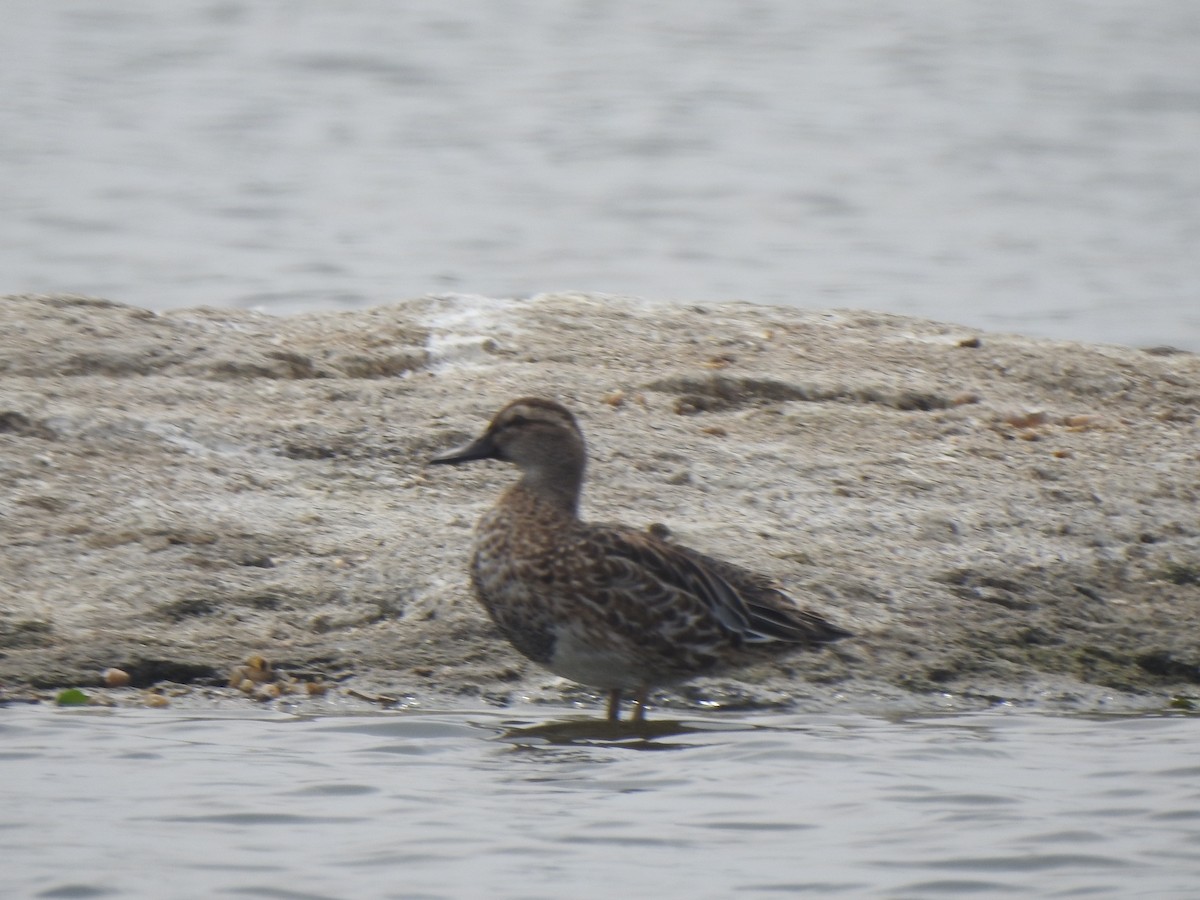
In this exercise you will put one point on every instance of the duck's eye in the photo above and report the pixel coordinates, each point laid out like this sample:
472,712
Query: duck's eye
516,422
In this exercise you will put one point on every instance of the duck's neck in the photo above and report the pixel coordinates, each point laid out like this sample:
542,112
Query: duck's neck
556,486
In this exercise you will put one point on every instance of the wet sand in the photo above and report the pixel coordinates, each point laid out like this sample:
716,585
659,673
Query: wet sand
996,518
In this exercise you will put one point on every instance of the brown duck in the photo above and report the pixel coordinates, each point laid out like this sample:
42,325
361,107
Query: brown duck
605,605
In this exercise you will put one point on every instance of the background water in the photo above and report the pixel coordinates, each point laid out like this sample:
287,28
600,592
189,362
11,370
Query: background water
1025,166
162,804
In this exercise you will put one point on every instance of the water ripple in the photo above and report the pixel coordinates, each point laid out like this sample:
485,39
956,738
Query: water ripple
445,804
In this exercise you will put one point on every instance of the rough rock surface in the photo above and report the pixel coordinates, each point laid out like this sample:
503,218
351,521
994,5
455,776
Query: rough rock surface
995,517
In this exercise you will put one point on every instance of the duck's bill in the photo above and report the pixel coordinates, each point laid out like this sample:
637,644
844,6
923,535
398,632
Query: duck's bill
481,448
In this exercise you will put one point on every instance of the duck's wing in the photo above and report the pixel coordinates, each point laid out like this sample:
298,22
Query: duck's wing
696,587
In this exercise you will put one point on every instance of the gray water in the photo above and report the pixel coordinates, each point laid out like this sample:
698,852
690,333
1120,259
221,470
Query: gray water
485,804
1026,166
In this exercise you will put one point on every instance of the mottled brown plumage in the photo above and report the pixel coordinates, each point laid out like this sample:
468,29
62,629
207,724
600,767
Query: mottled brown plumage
605,605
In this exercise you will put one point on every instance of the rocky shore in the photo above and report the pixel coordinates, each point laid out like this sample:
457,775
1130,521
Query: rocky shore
996,518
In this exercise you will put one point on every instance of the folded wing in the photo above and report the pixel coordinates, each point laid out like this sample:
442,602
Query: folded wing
691,590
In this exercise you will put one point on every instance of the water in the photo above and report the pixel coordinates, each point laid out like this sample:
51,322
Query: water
523,804
1024,166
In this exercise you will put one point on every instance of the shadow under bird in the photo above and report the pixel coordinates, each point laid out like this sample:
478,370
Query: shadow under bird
605,605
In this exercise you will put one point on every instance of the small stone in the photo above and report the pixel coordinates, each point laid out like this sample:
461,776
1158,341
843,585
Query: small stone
1026,419
115,678
268,692
1084,422
256,670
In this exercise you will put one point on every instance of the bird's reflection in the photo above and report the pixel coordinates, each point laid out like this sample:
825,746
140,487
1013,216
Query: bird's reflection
654,734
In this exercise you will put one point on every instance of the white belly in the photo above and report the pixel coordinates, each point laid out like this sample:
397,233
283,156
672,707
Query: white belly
583,660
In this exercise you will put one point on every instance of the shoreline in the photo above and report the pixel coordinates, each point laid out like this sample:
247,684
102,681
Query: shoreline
997,518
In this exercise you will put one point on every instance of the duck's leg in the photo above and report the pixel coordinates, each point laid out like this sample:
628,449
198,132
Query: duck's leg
614,705
639,710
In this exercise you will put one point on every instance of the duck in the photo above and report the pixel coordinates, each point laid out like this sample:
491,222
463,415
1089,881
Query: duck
608,606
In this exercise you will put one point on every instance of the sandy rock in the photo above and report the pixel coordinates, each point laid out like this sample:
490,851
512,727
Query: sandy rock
995,517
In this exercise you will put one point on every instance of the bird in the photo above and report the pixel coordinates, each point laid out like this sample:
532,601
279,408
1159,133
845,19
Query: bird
608,606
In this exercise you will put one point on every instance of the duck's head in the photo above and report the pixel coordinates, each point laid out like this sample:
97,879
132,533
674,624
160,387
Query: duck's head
538,436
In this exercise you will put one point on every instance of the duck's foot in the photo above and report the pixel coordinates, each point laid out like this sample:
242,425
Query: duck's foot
639,709
614,705
639,705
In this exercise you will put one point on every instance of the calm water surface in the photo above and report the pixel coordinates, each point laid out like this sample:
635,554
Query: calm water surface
486,804
1024,166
